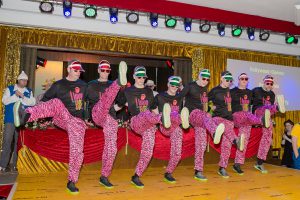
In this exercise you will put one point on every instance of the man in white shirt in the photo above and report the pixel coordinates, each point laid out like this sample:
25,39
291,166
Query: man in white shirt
12,94
150,84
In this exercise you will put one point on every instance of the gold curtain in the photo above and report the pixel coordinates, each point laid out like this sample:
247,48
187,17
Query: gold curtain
202,56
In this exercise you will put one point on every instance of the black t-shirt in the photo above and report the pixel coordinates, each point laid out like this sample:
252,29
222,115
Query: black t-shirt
71,93
138,99
174,101
94,92
241,99
262,97
221,98
195,97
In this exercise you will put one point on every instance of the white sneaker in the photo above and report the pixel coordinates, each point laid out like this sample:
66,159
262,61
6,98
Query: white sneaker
219,132
185,114
122,73
166,115
281,104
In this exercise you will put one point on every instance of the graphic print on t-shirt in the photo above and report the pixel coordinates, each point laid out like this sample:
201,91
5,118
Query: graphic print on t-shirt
204,101
142,103
228,100
174,106
76,98
267,101
244,101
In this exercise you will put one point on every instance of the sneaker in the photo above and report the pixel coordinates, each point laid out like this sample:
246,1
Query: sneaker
222,172
219,132
169,178
105,182
280,102
20,115
240,142
14,169
71,188
166,118
185,114
266,119
261,168
122,73
3,170
135,180
199,176
237,169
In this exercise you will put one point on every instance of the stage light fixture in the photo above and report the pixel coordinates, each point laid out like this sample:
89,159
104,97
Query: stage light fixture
205,27
170,22
221,29
251,33
236,31
113,15
90,11
187,24
46,7
132,17
264,35
154,19
289,39
67,8
40,62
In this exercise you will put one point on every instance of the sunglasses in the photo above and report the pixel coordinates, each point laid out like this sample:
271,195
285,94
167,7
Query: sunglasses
205,79
77,71
269,84
229,81
174,86
244,79
105,70
139,77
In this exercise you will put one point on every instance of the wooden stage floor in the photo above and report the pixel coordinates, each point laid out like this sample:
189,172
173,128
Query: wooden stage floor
279,184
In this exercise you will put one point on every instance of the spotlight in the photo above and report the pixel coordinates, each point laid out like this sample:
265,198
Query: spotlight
236,31
154,19
205,27
40,62
264,35
46,7
187,24
132,17
170,22
289,39
113,15
251,32
90,12
221,29
67,8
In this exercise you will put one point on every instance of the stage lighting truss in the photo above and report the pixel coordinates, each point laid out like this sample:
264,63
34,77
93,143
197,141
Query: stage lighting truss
205,27
132,17
113,15
236,31
46,7
90,11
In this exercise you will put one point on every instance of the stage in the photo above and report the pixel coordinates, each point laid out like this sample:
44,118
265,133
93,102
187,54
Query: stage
280,183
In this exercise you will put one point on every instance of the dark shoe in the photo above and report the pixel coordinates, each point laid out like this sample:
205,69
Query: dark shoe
72,189
122,79
219,132
105,182
199,176
266,119
135,180
166,115
261,168
169,178
184,115
222,172
14,169
20,115
3,170
237,169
